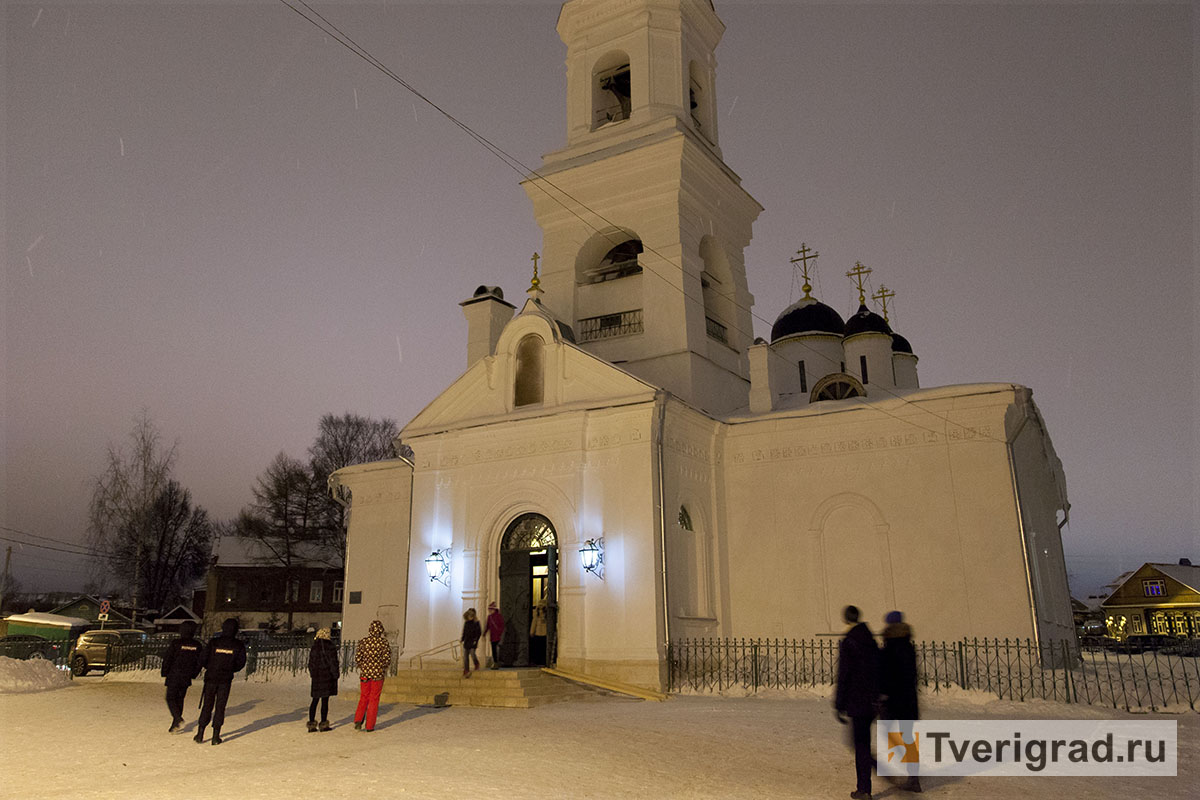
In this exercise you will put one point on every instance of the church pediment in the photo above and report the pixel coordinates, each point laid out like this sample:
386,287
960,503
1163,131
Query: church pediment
534,371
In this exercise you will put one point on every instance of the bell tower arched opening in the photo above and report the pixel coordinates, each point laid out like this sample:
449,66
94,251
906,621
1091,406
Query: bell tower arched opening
612,89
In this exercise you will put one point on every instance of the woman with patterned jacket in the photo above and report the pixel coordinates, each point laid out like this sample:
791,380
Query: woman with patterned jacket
372,657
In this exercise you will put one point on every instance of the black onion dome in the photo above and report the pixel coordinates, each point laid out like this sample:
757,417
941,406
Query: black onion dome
866,321
807,315
900,344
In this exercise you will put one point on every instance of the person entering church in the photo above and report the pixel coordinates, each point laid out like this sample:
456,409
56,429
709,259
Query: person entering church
898,680
537,635
470,640
857,694
495,629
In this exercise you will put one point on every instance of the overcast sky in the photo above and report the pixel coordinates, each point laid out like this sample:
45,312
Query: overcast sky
216,213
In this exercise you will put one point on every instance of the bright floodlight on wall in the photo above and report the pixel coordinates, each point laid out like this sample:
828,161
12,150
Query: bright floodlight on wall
592,554
437,565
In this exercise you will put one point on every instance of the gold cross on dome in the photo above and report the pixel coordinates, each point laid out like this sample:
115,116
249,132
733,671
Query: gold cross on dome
535,282
858,273
883,295
805,253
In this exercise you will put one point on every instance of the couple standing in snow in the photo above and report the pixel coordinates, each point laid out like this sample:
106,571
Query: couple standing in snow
868,678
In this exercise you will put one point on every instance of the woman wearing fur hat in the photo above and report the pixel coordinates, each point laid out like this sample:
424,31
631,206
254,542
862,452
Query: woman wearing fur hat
323,669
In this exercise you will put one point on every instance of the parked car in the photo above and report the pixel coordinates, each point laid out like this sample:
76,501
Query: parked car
105,649
23,645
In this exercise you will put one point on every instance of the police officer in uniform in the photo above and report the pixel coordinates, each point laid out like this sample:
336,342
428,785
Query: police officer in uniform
225,655
180,666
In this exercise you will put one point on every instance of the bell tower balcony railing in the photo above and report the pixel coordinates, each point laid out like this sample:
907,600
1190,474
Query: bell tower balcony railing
609,326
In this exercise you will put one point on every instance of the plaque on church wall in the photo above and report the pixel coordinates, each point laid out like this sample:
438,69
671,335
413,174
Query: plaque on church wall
355,598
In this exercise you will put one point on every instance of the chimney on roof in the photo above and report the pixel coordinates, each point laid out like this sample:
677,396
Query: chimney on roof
1185,562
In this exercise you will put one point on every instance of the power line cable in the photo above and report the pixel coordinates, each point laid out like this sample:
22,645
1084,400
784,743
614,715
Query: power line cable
533,176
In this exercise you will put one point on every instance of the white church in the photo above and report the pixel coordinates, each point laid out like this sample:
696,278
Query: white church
621,448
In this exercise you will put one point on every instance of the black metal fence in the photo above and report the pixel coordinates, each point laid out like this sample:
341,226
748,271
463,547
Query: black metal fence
266,657
1011,669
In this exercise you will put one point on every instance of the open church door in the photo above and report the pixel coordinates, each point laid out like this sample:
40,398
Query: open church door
529,592
552,606
516,606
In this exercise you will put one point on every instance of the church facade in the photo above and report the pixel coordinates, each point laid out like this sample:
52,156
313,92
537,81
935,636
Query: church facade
622,451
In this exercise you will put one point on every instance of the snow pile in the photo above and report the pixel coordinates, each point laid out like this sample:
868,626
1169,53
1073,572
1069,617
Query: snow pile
30,675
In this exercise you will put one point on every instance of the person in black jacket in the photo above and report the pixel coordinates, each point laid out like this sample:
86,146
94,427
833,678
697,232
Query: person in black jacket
857,694
470,640
225,655
180,667
898,679
323,669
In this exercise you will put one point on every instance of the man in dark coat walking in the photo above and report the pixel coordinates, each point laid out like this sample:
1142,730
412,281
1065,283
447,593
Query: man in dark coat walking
898,679
857,694
225,655
180,666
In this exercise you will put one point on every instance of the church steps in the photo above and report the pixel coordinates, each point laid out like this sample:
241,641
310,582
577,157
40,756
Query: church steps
521,688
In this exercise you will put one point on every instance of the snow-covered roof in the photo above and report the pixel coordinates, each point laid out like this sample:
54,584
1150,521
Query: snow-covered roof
44,618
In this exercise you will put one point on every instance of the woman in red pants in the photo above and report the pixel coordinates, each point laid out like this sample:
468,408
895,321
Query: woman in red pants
372,658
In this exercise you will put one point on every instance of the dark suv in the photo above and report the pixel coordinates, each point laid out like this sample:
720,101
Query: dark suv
105,649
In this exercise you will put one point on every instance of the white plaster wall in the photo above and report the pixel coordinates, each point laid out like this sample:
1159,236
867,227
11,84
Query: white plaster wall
377,547
904,366
856,504
822,355
877,347
590,474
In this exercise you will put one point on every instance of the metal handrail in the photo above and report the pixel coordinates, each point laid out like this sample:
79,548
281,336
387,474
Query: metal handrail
453,647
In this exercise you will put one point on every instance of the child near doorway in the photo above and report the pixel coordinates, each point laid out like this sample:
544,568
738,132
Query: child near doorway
470,640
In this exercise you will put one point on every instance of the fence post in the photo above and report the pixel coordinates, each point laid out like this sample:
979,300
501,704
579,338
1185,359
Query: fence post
754,668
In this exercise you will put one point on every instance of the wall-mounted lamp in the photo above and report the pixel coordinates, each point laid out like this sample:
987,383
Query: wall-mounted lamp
437,566
592,555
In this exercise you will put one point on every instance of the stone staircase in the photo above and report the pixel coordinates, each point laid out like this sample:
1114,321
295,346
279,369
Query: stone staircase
502,688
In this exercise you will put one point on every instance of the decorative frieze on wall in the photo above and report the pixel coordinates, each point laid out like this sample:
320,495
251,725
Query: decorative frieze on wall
606,440
480,455
861,444
369,497
699,452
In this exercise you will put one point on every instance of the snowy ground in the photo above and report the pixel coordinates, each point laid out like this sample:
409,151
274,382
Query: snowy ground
106,737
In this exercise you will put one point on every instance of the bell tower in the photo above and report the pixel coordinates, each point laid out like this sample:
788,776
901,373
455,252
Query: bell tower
644,226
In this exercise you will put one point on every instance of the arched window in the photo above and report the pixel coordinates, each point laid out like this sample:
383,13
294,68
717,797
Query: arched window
529,532
837,386
618,262
612,90
527,386
716,287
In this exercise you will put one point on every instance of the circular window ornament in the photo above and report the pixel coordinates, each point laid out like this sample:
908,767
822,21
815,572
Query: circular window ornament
837,386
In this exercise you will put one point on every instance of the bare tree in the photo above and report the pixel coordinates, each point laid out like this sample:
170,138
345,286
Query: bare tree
341,442
123,498
287,519
175,549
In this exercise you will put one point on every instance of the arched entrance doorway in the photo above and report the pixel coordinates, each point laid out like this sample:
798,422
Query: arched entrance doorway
529,579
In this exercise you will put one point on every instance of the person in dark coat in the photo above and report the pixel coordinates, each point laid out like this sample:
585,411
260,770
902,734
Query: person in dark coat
495,629
857,694
898,679
470,640
224,656
323,669
181,665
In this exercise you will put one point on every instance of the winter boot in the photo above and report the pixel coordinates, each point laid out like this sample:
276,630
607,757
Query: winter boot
176,725
325,726
216,736
358,724
312,726
913,784
466,673
199,737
